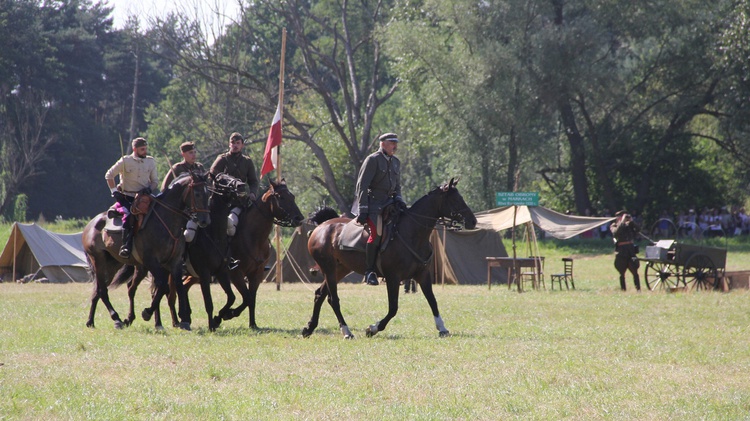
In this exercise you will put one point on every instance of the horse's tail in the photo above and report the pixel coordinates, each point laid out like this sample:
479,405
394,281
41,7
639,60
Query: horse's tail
323,214
122,276
90,268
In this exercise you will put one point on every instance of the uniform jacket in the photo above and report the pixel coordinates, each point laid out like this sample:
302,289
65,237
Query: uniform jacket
625,231
378,183
177,169
239,166
135,173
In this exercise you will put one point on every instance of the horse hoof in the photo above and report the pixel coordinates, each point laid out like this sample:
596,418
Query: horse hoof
371,330
90,324
306,332
216,322
444,334
146,314
185,326
118,324
349,336
159,328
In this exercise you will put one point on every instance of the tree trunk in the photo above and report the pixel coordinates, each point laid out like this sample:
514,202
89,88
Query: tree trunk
577,157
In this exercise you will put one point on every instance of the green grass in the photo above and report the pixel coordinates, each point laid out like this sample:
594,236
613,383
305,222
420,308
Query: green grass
593,353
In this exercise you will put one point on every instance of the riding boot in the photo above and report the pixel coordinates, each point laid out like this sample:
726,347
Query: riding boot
371,256
127,238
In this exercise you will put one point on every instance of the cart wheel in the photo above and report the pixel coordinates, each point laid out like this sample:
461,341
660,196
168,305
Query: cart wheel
700,273
660,275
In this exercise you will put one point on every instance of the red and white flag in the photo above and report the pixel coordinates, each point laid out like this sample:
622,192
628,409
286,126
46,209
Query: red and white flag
271,155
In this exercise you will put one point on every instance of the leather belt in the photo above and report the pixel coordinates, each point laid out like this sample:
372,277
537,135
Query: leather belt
622,243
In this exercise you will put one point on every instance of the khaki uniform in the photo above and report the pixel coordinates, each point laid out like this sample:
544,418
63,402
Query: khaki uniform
626,258
238,166
178,169
378,183
135,173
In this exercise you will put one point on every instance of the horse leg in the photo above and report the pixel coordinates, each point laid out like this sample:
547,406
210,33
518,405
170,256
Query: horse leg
182,296
238,280
426,284
161,288
252,296
393,286
205,283
320,295
171,302
132,287
333,300
102,293
226,311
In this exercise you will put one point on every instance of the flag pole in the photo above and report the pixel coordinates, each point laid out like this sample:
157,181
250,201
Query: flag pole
279,274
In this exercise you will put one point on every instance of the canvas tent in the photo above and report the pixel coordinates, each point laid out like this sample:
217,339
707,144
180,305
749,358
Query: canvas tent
556,224
32,250
459,257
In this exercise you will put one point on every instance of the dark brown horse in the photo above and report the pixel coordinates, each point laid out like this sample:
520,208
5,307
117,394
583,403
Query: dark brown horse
158,246
406,256
207,253
251,245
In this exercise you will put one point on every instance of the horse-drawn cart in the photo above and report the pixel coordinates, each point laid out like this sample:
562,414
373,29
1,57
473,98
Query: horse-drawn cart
672,265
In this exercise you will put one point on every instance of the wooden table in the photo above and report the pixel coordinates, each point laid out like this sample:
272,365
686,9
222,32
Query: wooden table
514,270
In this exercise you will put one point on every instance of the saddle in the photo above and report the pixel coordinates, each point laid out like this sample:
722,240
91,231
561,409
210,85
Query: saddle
140,210
353,236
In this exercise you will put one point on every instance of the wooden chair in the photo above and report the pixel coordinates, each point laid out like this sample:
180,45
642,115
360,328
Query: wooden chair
566,276
538,271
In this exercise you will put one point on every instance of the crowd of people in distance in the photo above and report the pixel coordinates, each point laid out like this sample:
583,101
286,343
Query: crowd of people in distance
706,222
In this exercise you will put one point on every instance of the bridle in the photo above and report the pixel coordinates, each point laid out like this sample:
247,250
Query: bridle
282,221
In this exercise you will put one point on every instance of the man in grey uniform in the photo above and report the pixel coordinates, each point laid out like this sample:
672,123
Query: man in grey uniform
378,185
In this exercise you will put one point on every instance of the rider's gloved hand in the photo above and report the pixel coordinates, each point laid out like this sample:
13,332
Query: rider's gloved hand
362,219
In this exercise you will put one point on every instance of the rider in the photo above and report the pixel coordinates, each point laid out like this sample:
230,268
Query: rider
188,164
240,166
378,185
625,230
137,173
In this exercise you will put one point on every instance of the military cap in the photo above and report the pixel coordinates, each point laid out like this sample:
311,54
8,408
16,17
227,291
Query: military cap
236,135
388,136
187,146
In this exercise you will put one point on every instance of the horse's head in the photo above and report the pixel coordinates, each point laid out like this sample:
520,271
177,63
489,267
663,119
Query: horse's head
193,192
454,207
283,207
232,190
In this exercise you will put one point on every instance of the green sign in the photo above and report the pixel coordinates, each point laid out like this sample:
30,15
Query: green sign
509,198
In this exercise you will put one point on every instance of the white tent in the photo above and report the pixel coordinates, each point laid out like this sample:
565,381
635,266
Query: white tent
556,224
31,249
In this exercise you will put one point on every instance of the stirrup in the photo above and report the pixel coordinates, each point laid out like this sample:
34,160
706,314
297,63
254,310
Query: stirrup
124,252
232,264
371,278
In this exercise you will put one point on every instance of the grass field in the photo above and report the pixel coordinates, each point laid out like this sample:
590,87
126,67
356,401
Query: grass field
593,353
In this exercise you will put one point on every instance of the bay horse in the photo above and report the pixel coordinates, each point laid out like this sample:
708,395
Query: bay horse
406,256
158,246
207,253
252,247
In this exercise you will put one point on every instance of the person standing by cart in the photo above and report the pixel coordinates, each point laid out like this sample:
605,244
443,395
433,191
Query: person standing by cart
625,231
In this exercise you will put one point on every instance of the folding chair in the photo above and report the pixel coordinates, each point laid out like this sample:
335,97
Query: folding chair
566,276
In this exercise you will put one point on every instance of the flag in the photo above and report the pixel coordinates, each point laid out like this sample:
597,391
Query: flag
271,155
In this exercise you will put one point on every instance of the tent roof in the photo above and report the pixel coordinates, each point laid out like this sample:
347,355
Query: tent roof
554,223
51,251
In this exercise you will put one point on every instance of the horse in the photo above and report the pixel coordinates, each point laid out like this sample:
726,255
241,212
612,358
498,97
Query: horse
158,246
251,245
406,256
207,253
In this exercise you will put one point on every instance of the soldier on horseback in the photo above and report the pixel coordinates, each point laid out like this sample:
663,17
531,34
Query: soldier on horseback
137,173
238,165
188,164
378,185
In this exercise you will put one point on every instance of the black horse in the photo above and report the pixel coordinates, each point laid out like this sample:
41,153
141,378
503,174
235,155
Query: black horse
250,244
406,256
158,246
207,253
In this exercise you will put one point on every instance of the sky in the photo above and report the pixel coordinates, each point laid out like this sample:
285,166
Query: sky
149,9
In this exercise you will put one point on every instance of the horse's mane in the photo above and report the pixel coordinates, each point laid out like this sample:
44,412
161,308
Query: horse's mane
323,214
